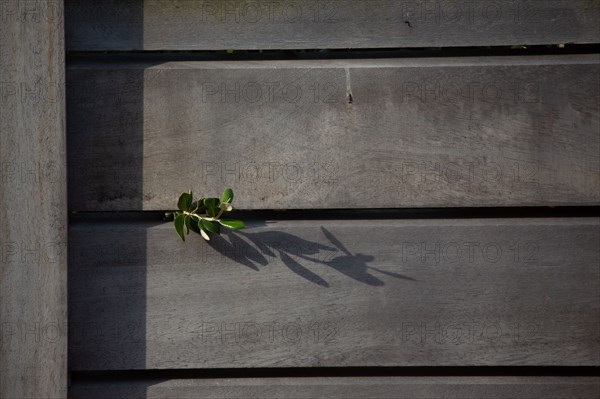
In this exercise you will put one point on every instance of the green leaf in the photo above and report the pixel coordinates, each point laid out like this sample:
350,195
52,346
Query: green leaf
232,224
185,201
179,223
211,204
203,232
227,196
188,221
198,206
194,225
211,226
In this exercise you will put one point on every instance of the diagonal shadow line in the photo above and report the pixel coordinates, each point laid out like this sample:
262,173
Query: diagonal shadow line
360,271
270,243
335,241
392,274
229,250
261,245
250,253
355,267
301,270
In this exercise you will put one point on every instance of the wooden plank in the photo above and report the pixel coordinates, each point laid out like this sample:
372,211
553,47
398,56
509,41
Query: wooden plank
33,207
389,133
348,388
330,24
499,292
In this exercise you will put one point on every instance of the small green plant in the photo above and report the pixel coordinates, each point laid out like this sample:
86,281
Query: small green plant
203,215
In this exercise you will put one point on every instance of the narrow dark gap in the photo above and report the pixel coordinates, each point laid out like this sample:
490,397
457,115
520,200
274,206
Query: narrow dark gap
360,214
331,54
437,371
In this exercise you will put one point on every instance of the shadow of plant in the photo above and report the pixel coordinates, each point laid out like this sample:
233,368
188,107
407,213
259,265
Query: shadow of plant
290,249
356,266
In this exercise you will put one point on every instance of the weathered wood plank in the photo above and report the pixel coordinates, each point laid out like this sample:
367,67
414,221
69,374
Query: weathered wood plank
33,224
501,292
460,132
330,24
348,388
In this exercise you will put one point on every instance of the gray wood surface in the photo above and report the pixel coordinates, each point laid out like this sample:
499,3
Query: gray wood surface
348,388
441,132
33,225
477,292
330,24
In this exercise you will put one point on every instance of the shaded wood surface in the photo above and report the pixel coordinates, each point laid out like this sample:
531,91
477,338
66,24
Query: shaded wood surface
499,292
33,224
389,133
348,388
248,25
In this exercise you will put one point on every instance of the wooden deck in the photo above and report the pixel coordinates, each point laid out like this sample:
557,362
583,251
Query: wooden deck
420,180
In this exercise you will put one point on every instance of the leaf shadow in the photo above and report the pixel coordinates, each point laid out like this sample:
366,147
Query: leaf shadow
254,249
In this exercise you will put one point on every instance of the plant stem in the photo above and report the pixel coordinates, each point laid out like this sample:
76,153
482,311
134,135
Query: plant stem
205,217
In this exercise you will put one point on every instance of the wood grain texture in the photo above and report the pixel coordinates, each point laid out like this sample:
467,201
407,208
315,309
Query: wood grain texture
348,388
330,24
501,292
33,224
389,133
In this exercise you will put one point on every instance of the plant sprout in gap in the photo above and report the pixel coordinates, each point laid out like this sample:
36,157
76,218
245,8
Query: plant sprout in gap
204,215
